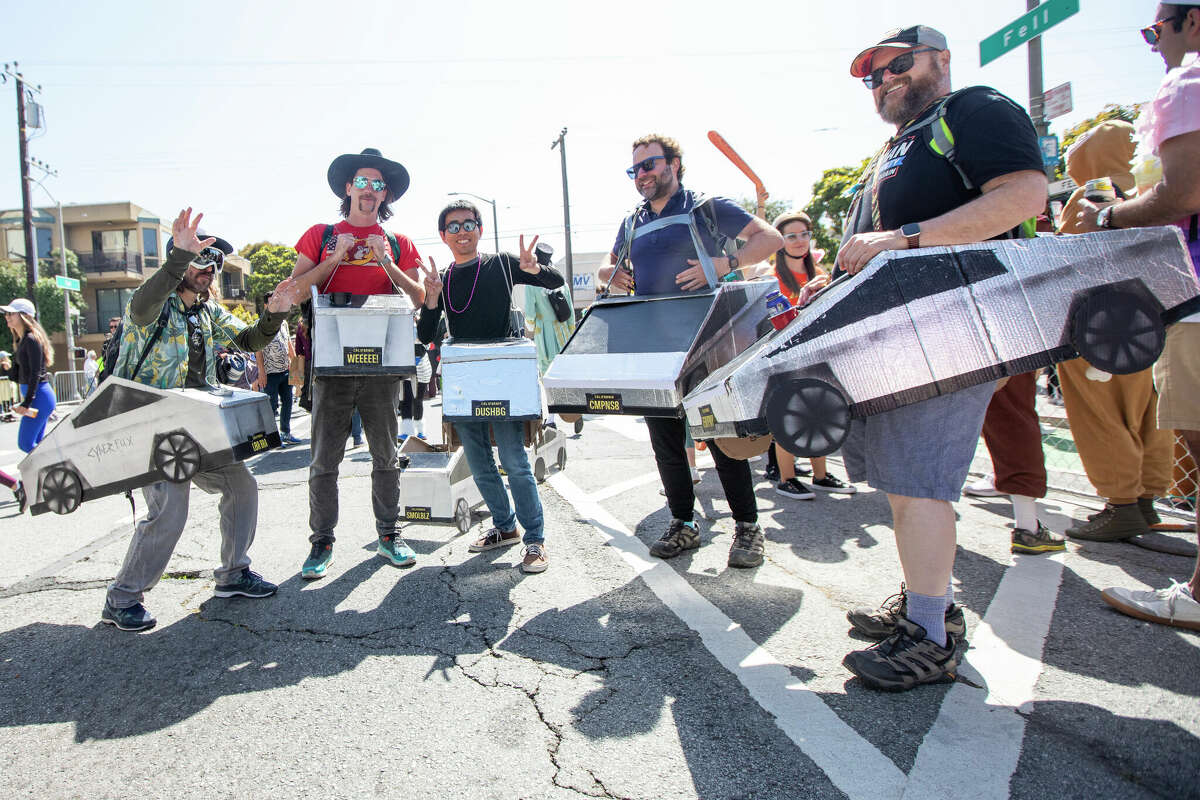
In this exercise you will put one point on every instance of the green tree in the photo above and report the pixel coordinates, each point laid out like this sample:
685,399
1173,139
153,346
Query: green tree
48,299
829,205
53,265
772,211
271,263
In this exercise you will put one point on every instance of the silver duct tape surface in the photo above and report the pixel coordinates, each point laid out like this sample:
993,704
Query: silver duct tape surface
371,334
914,325
638,356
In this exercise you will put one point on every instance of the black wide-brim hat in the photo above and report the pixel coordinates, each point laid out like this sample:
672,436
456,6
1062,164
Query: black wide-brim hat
222,245
344,166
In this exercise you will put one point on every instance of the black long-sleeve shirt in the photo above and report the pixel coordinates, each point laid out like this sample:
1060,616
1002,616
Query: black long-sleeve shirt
29,367
475,297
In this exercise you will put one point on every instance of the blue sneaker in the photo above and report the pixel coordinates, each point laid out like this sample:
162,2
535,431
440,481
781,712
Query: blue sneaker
247,584
396,550
319,559
134,618
287,439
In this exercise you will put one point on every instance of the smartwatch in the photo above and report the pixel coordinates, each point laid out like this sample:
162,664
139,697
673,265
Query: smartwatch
733,264
911,232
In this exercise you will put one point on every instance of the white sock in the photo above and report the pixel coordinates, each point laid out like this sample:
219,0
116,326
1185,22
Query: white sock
406,426
421,426
1024,512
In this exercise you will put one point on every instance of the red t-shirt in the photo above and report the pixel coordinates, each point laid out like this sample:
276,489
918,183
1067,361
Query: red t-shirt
360,272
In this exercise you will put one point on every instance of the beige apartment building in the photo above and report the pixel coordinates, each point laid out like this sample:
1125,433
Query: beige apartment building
119,245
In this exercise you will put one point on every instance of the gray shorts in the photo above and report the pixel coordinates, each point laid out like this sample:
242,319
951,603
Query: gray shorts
920,450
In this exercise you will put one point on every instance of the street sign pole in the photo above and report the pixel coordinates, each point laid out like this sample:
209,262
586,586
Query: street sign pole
1036,101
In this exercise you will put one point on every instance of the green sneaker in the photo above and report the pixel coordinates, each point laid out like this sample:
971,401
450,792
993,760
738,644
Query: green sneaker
319,559
396,550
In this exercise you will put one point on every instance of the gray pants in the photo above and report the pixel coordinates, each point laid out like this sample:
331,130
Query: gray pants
334,401
166,513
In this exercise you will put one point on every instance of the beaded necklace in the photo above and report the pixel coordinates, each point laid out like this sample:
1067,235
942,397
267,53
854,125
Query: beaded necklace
450,274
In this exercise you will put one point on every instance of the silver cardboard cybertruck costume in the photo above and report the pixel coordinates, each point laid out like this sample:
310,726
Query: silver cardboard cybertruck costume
916,324
631,356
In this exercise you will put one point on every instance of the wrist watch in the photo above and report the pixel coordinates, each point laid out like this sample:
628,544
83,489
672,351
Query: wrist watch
911,232
733,265
1104,218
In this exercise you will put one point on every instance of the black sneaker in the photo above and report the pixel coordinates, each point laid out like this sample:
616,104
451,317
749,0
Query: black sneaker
247,584
22,499
1149,513
680,536
1039,541
1111,524
794,489
134,618
771,474
905,659
880,623
833,485
748,545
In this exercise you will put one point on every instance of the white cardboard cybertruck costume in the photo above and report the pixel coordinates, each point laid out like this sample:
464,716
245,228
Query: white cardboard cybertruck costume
913,325
127,435
639,356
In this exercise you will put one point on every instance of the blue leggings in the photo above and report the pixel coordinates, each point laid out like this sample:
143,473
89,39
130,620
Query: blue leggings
33,430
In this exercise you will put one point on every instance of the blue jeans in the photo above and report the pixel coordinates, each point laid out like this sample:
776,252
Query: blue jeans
279,391
510,442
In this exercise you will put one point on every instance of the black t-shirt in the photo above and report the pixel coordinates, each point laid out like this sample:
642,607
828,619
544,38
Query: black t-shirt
475,297
993,135
197,373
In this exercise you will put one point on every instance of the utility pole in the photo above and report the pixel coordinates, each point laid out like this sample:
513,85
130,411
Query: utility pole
31,267
561,144
1037,105
62,252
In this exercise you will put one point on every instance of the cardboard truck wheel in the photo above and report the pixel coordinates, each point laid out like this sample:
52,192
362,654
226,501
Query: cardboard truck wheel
539,470
177,457
462,515
579,425
1118,331
62,490
562,459
807,416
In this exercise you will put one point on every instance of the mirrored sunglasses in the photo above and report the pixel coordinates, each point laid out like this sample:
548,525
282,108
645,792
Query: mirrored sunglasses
209,258
468,226
793,237
361,182
1152,33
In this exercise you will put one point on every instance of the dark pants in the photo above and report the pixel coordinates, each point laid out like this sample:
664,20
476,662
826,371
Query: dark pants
668,438
279,391
412,407
1014,438
334,401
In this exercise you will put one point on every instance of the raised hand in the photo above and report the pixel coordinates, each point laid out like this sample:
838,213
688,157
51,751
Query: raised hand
432,281
285,295
183,232
528,259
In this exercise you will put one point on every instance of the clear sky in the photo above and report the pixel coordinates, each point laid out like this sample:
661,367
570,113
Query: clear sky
237,108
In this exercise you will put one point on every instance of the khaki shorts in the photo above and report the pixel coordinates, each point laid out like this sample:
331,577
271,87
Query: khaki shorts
1177,378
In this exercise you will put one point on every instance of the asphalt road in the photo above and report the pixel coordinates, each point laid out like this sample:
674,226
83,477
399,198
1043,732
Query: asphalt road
613,674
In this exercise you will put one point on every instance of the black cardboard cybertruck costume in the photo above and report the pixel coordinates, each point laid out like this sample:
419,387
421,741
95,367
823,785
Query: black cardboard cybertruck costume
913,325
640,355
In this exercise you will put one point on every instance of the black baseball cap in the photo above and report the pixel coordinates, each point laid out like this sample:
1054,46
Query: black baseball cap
905,38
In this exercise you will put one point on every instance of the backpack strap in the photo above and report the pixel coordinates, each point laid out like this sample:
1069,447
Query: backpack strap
1193,232
158,329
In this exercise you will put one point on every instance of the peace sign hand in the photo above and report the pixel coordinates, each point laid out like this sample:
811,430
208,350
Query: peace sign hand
183,232
528,259
432,281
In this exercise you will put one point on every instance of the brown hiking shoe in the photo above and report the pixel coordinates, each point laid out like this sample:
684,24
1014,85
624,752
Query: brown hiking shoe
680,536
535,559
1146,506
1111,524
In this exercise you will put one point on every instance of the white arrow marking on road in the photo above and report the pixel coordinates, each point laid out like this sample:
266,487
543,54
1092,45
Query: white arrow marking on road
1006,651
852,763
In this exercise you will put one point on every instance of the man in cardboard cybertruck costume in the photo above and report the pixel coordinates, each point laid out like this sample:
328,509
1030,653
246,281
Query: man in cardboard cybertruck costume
171,327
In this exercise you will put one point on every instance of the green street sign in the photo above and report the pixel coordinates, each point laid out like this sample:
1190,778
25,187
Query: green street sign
1024,28
63,282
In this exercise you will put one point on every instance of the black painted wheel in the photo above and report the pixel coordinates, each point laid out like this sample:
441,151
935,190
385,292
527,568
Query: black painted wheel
462,515
62,490
808,417
579,425
1118,332
177,457
562,459
539,470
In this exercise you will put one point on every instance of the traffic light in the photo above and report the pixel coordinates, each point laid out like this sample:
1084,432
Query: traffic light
78,352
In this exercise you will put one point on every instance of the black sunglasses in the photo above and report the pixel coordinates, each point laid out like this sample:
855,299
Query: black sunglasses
468,226
646,164
897,66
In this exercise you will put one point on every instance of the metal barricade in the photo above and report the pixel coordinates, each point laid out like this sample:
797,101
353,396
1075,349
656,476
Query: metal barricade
70,386
8,395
